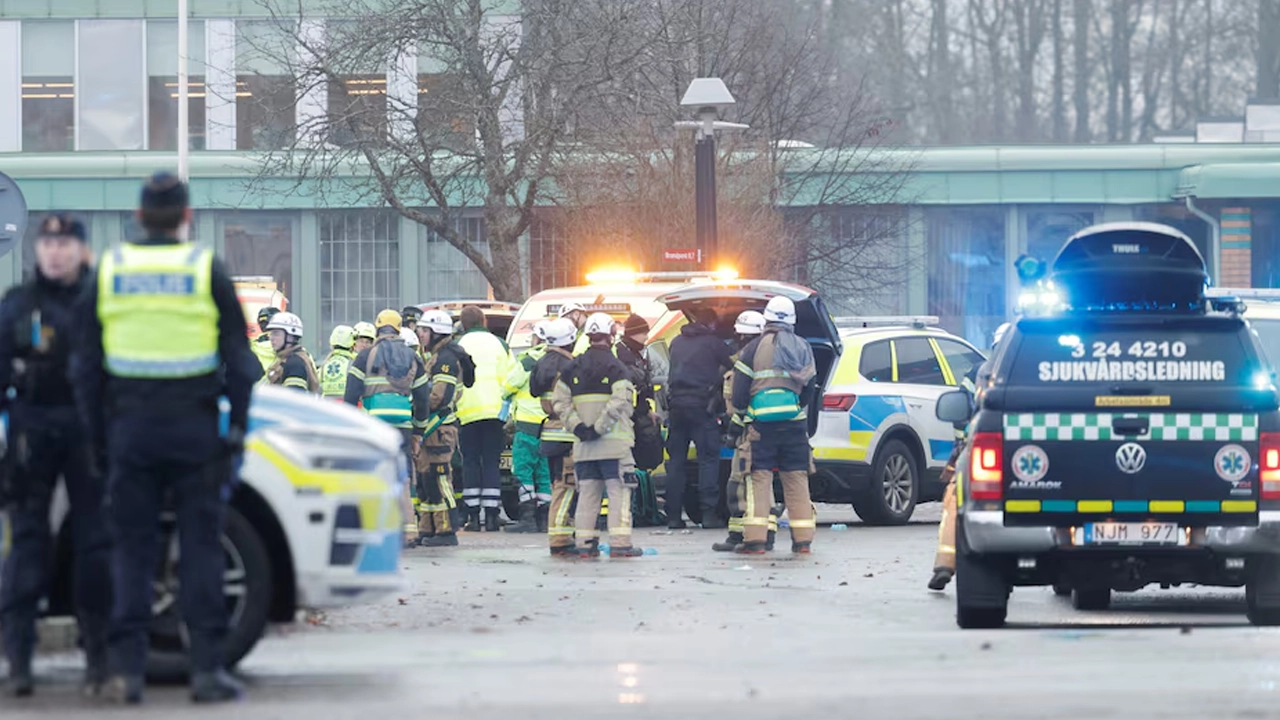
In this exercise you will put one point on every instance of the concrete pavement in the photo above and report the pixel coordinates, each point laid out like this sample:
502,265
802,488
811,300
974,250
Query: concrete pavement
495,628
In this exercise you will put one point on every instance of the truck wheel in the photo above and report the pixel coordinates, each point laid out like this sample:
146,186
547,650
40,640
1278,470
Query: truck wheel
510,500
895,486
1262,591
982,592
1091,598
247,587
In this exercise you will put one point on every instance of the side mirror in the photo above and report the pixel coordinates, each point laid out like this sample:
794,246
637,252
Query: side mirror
954,407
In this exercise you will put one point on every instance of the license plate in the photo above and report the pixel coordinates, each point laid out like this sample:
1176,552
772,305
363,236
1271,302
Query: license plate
1148,533
504,462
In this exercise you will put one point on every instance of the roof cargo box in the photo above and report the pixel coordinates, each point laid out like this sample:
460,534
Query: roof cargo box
1130,267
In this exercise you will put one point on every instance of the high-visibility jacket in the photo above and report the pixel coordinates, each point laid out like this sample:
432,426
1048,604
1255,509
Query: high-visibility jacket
333,373
527,409
262,348
483,400
145,291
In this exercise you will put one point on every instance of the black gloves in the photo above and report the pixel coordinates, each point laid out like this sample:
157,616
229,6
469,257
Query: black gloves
586,433
233,442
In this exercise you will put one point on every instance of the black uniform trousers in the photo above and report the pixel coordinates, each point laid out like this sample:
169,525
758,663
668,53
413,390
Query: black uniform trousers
482,443
52,450
697,426
156,462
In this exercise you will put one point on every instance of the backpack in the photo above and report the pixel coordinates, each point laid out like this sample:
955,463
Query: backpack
399,364
645,511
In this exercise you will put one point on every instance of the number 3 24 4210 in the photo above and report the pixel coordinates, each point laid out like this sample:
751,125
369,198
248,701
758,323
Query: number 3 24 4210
1137,349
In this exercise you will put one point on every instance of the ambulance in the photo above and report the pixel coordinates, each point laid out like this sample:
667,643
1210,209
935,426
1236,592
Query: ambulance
254,293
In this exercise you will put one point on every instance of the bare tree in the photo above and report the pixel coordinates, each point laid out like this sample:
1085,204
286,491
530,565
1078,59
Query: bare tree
1059,93
1082,12
1028,18
991,29
1268,49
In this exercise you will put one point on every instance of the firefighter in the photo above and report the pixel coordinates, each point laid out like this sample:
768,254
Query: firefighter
262,345
293,367
527,463
366,333
556,443
452,371
594,399
409,316
774,379
944,560
391,383
748,327
333,370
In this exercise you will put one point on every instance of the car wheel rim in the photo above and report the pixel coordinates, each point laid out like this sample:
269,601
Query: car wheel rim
168,632
896,483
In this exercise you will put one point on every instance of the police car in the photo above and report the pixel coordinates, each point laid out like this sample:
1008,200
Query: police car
315,522
1261,307
876,442
1130,438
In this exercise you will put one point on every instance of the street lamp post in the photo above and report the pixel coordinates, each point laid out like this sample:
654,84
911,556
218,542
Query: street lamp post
708,96
183,123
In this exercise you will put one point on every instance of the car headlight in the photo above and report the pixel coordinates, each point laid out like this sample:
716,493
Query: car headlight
333,452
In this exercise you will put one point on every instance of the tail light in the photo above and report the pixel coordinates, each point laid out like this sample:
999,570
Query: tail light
843,403
986,458
1269,465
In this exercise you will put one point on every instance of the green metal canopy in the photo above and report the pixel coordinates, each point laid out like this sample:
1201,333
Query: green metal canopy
1222,181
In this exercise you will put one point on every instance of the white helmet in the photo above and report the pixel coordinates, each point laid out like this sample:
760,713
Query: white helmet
288,322
540,329
438,321
998,335
781,310
599,324
409,337
749,322
570,307
561,332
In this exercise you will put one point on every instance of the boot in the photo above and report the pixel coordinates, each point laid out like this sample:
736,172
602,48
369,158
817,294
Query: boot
750,548
21,682
730,543
473,520
589,551
441,540
941,576
541,516
491,520
527,522
712,521
801,548
568,552
215,687
625,552
126,689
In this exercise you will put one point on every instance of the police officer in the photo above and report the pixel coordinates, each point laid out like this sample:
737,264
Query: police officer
162,338
527,463
595,399
262,344
748,326
555,442
699,359
366,333
451,368
293,367
390,381
774,379
333,369
944,559
45,441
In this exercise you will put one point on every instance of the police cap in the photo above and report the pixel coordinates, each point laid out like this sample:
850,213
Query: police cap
62,225
165,190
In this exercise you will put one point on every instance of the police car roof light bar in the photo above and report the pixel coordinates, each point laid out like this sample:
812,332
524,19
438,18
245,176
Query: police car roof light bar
916,321
1243,293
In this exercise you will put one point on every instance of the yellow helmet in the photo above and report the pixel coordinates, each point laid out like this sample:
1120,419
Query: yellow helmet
388,318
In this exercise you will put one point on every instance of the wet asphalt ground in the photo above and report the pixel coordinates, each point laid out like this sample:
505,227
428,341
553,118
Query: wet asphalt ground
497,629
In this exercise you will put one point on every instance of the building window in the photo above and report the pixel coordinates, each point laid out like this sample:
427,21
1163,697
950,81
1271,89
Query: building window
112,94
453,275
266,93
162,85
552,263
443,115
358,110
359,265
48,86
260,244
966,270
